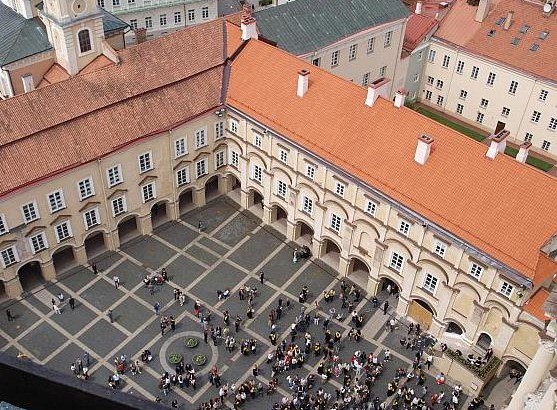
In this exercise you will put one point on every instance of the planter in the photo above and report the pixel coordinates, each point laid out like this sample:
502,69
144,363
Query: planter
199,359
175,358
191,342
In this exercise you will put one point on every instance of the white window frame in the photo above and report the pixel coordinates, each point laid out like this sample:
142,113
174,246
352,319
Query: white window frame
96,216
552,124
201,168
476,270
3,225
191,15
282,189
543,95
335,58
234,159
219,130
257,139
177,17
205,12
233,125
430,283
440,249
148,192
506,289
35,210
307,205
371,45
145,162
491,78
340,188
39,240
371,207
58,198
85,188
63,227
446,61
112,173
513,86
283,156
201,138
220,159
388,39
431,55
460,67
459,109
163,21
352,52
119,206
257,173
9,256
310,171
404,227
475,72
183,176
180,147
335,223
396,262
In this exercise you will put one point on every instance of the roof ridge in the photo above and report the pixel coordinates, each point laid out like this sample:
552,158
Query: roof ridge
20,28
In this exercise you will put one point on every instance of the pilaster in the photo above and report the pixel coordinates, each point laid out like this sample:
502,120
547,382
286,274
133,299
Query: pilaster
343,266
112,240
172,210
48,271
80,255
145,224
199,197
292,230
225,184
268,217
13,288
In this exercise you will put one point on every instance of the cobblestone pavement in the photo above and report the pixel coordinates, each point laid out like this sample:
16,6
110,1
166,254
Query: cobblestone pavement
230,252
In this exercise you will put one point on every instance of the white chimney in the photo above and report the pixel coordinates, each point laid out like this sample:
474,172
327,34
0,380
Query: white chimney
423,149
303,82
498,144
482,10
249,27
508,20
523,152
379,87
28,84
418,7
400,97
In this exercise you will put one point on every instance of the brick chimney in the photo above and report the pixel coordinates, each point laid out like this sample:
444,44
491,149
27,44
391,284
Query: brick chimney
482,10
248,24
419,5
400,97
508,20
498,144
423,149
379,87
303,82
523,151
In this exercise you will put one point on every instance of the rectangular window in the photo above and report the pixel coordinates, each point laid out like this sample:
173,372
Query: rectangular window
536,115
316,62
335,223
148,22
543,95
439,248
148,192
233,126
480,117
9,256
281,189
371,45
219,130
383,71
404,227
133,22
552,124
119,206
335,55
446,61
476,270
100,3
439,84
484,103
420,55
145,162
428,95
257,174
162,20
430,283
114,175
440,100
388,38
506,289
180,147
116,2
397,262
310,171
91,218
200,138
431,56
505,111
234,159
545,145
183,176
430,80
63,231
459,109
257,139
463,94
85,188
3,225
205,12
475,72
201,168
460,67
307,205
177,17
491,79
56,201
283,156
219,159
339,189
371,208
191,15
38,242
528,137
352,52
513,87
365,79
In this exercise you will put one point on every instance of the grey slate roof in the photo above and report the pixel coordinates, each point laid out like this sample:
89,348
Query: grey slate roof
303,26
20,37
112,23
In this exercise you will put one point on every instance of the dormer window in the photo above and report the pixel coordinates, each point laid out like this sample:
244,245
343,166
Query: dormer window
84,37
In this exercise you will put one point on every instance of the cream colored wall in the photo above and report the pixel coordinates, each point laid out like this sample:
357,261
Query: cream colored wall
36,68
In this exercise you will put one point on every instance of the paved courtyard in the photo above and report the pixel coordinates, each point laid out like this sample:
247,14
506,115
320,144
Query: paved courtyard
230,252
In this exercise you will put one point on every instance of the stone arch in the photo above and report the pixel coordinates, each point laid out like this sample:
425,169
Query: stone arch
234,186
523,339
362,224
31,275
331,252
160,212
437,269
511,362
128,227
211,186
358,271
63,258
279,217
335,205
95,243
301,186
384,279
457,322
261,159
485,340
232,144
491,303
425,303
390,241
468,286
279,171
463,302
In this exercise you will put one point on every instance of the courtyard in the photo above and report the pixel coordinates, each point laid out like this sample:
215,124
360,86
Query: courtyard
230,252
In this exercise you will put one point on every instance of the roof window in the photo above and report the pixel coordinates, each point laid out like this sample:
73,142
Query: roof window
543,35
500,21
534,47
491,33
524,29
515,41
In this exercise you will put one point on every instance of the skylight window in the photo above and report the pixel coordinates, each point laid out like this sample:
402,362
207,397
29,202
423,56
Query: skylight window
524,29
515,41
543,35
534,47
491,33
500,21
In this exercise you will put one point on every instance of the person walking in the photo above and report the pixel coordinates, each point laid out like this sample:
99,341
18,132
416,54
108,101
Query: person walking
56,309
116,280
86,359
94,267
237,323
199,226
261,277
385,307
9,315
110,316
157,308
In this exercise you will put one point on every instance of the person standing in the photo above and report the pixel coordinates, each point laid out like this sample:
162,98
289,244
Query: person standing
94,267
261,277
157,308
116,280
237,323
56,309
9,315
71,302
385,307
110,316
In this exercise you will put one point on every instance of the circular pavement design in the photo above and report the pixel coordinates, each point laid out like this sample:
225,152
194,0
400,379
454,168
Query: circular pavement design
182,335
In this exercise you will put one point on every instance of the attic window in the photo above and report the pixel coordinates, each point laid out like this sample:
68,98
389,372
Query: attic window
500,21
515,41
524,29
534,47
543,35
491,33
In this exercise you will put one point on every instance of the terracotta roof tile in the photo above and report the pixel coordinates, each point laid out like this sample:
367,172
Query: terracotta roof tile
417,28
459,28
534,305
475,198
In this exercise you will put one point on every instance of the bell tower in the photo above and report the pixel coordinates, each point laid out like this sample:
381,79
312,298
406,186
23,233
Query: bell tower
75,29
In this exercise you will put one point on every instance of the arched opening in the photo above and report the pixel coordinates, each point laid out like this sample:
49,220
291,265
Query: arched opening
159,214
234,188
388,286
454,328
127,228
278,219
484,341
63,259
421,312
512,365
305,236
256,203
95,245
358,272
331,253
212,188
185,201
31,276
84,37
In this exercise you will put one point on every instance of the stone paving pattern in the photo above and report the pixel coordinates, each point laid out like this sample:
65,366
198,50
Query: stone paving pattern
230,251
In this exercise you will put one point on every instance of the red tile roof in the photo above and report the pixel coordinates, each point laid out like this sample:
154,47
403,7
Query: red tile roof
475,198
534,305
417,28
460,29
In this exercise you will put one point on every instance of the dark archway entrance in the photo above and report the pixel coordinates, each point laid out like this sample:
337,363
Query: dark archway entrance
358,272
421,313
212,188
484,341
306,234
331,253
31,276
454,328
128,228
234,188
387,284
185,201
510,365
279,219
256,203
95,245
63,259
159,214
